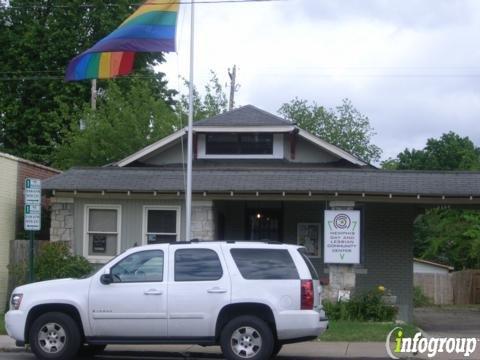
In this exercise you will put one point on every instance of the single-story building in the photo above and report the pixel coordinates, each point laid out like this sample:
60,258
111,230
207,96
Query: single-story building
12,177
259,177
421,266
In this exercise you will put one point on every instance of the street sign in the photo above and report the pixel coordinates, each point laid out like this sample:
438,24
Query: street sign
33,204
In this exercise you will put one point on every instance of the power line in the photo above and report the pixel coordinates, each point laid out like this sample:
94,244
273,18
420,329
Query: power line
35,78
399,76
181,2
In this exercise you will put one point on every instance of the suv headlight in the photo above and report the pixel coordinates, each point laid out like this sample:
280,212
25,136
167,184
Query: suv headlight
16,301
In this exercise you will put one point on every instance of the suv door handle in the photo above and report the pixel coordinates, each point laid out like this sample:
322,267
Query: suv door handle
216,290
153,292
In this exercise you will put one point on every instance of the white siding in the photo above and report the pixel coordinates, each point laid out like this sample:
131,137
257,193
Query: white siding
8,198
170,155
421,268
306,152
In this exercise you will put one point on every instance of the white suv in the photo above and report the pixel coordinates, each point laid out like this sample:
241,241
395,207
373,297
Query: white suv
248,297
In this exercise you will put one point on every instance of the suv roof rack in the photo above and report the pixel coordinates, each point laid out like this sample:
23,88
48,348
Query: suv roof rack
197,241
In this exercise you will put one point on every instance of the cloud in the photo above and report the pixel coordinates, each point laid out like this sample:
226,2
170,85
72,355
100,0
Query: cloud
411,66
405,13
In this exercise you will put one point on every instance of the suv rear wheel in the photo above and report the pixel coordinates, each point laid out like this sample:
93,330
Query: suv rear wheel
53,336
247,337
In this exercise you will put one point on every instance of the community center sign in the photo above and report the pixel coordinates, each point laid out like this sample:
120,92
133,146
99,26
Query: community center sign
342,237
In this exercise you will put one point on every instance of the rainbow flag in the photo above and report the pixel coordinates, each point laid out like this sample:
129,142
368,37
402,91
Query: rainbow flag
152,28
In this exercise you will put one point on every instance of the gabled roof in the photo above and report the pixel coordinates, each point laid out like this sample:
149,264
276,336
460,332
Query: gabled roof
247,115
151,148
244,119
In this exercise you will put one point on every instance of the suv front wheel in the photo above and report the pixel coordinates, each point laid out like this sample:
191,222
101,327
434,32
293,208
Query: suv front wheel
247,337
54,336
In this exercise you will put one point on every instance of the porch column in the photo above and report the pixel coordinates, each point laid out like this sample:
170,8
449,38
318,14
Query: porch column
203,220
341,276
61,224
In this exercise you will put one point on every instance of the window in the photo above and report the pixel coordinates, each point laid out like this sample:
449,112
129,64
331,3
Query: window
144,266
161,224
239,144
310,266
102,231
265,264
197,265
308,235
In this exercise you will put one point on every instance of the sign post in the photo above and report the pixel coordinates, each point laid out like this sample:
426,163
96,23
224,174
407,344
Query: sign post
342,237
32,215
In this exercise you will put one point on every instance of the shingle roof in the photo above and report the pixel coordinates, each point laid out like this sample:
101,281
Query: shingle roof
248,115
369,181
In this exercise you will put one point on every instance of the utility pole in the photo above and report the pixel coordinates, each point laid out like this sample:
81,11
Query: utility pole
94,94
233,86
188,192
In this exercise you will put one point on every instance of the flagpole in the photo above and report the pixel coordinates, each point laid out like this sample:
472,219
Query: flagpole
188,194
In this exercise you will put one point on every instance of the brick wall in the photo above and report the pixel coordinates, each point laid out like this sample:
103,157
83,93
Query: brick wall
31,170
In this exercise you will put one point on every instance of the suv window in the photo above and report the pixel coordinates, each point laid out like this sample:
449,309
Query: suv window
265,264
143,266
310,266
197,265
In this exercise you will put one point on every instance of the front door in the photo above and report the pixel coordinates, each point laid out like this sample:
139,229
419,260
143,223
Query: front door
199,288
264,224
135,304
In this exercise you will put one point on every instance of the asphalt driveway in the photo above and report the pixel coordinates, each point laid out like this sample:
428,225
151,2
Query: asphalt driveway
455,321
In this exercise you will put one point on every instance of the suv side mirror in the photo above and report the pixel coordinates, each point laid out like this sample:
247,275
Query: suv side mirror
106,279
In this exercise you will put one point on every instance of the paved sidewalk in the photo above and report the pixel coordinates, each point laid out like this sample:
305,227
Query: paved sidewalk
304,351
8,344
311,349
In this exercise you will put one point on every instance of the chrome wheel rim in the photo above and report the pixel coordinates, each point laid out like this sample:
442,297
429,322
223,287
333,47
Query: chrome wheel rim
246,342
52,338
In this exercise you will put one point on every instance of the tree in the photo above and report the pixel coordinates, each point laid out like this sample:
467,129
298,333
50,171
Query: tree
37,40
343,126
122,124
450,236
449,152
214,102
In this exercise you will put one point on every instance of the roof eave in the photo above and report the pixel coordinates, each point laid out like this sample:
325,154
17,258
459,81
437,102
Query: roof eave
256,128
151,148
332,149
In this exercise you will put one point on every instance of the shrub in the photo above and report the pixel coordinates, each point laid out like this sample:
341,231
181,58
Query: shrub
367,306
55,262
419,298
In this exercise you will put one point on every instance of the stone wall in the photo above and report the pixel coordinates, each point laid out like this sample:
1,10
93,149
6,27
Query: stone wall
341,277
61,226
203,220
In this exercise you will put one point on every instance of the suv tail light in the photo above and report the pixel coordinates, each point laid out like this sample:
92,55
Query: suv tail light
307,294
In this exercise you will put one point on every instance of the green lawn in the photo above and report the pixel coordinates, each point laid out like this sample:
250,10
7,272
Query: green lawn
362,331
2,325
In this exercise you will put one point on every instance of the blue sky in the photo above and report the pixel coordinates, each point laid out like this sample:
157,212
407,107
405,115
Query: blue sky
412,66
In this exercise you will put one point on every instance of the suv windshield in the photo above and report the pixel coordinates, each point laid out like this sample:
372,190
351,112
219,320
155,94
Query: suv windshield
313,272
